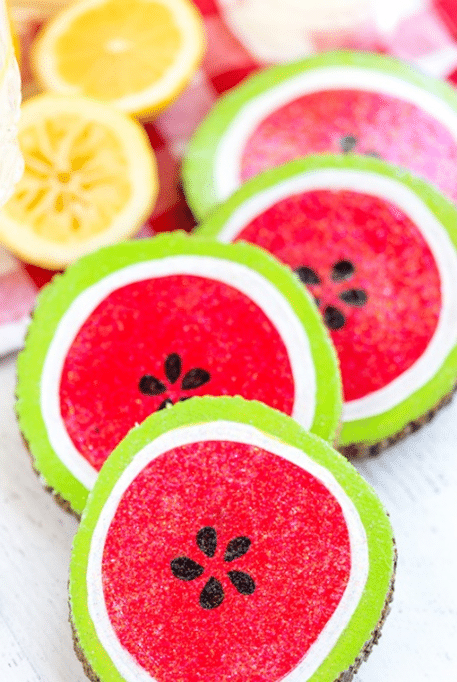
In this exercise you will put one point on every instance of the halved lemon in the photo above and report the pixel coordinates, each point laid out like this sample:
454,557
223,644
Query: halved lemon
137,55
90,179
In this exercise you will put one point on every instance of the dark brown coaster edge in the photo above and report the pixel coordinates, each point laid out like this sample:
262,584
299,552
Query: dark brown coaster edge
63,504
348,674
363,450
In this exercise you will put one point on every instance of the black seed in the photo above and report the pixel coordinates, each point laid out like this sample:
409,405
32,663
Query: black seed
195,378
347,143
149,385
236,548
172,367
375,155
342,270
212,595
317,301
307,276
186,569
333,318
165,403
354,297
207,540
374,450
242,581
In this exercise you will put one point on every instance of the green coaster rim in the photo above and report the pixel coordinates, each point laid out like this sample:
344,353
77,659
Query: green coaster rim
381,550
57,297
369,430
198,163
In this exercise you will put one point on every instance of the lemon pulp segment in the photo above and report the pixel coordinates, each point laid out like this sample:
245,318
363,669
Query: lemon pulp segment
75,179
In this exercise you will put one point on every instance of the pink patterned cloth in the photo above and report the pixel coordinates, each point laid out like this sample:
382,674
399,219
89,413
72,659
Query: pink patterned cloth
428,38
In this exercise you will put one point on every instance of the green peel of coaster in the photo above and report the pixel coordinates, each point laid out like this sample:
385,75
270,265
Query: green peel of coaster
338,102
205,545
138,327
376,247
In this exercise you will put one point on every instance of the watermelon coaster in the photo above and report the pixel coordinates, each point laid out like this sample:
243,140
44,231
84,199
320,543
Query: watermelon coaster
222,541
137,327
377,249
340,102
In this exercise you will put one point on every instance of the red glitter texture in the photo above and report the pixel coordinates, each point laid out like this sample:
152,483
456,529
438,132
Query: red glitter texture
391,128
130,334
393,265
299,559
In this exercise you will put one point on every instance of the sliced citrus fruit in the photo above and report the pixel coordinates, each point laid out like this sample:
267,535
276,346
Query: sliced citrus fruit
90,179
137,55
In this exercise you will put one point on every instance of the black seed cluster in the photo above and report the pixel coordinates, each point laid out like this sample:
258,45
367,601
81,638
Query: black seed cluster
341,271
194,378
212,594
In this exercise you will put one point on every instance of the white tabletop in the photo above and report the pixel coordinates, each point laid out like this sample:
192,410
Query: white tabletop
417,481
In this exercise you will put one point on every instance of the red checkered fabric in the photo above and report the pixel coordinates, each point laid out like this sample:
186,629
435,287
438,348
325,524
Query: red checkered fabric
428,38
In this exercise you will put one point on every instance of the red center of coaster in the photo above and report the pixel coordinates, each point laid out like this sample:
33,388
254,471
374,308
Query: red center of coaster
372,274
153,343
341,121
223,562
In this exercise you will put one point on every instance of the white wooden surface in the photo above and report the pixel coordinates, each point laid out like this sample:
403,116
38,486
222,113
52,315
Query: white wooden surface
417,481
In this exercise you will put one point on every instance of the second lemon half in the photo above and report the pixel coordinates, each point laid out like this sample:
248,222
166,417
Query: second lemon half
137,55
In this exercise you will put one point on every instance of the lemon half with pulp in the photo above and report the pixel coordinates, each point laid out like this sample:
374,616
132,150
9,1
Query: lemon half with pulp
90,179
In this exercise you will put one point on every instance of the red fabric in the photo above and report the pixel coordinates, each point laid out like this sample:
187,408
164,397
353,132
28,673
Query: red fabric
207,7
224,81
447,10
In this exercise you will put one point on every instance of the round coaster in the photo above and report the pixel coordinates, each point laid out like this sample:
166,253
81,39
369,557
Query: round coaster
137,327
223,542
339,102
377,249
